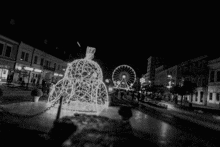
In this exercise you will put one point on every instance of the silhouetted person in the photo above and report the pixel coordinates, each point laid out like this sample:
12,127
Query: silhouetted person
44,86
61,130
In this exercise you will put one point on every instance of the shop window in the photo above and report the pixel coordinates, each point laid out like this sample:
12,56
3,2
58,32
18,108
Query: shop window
217,96
1,48
212,74
22,55
8,51
3,73
201,96
218,76
26,57
210,96
35,59
196,99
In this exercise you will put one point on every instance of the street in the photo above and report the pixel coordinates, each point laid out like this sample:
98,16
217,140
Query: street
148,123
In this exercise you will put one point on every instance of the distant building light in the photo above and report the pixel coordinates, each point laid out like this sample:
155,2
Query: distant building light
169,76
19,67
56,74
107,80
28,68
37,70
110,89
60,75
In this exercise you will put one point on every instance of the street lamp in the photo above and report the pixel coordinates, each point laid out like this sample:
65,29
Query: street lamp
169,83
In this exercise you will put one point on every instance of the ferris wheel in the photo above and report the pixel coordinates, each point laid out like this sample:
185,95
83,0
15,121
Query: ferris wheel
123,77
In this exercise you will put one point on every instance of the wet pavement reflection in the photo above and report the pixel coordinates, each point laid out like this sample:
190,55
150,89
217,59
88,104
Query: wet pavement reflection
164,134
148,126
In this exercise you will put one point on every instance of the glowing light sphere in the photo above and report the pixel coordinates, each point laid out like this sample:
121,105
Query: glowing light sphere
123,77
110,89
82,86
107,80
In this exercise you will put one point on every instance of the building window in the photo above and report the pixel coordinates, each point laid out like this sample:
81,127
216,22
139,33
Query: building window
35,59
8,51
201,96
196,99
46,63
218,76
217,96
212,74
26,57
1,48
203,81
58,67
49,63
55,65
198,82
42,61
210,96
22,55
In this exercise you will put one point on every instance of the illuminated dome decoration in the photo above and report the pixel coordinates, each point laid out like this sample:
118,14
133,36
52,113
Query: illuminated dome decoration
123,77
82,86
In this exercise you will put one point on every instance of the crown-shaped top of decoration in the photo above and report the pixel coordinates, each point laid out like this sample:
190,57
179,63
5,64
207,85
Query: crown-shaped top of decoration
90,51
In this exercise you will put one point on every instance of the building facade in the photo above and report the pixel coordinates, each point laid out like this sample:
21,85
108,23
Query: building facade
152,64
35,66
172,75
8,52
196,70
21,62
213,97
161,76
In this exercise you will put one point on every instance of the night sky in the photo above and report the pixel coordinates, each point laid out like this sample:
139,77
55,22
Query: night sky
121,35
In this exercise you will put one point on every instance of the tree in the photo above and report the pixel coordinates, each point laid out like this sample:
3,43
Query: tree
188,88
177,90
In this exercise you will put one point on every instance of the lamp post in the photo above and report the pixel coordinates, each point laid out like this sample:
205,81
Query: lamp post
169,84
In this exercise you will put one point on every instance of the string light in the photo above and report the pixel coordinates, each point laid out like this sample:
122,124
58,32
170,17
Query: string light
82,86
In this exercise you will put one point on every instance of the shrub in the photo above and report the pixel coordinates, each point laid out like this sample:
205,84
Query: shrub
36,92
125,112
1,92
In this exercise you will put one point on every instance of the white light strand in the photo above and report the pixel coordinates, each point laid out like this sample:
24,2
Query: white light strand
82,87
123,77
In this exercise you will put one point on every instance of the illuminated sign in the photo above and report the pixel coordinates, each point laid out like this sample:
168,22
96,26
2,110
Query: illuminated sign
4,66
28,68
37,70
56,74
